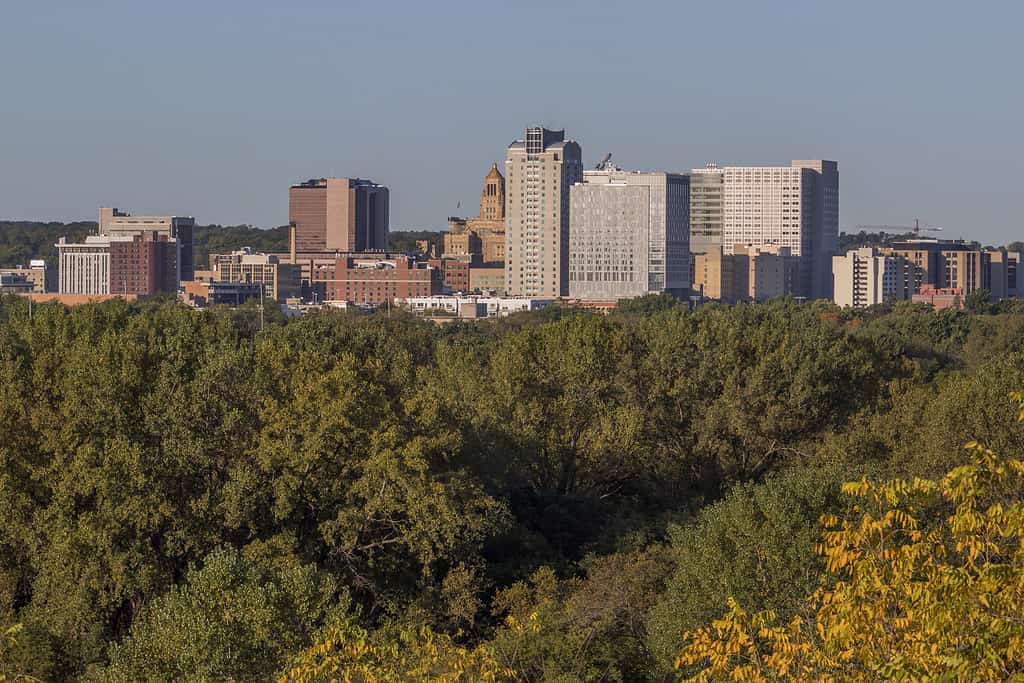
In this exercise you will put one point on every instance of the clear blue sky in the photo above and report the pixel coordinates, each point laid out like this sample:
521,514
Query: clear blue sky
212,108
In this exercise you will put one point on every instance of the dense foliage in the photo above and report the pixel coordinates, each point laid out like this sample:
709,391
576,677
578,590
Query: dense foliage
551,497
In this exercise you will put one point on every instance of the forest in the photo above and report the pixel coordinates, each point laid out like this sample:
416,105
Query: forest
761,492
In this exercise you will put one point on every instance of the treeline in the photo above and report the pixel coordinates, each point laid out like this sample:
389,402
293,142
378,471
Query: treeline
551,497
21,241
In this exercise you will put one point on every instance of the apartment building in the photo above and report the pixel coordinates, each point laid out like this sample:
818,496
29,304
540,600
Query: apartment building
865,277
629,234
539,170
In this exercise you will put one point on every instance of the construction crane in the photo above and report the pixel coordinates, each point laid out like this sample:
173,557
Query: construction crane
916,228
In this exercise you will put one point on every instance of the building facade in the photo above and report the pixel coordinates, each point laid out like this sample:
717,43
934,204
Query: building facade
123,265
864,277
539,170
37,274
339,214
796,207
375,280
279,280
749,273
705,209
116,223
629,235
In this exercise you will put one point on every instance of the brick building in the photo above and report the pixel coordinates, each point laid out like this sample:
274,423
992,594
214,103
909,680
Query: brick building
374,279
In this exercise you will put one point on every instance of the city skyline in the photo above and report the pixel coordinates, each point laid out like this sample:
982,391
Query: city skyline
915,107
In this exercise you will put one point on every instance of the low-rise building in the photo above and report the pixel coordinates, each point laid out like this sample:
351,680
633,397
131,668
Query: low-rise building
487,279
279,280
749,273
457,306
41,278
374,279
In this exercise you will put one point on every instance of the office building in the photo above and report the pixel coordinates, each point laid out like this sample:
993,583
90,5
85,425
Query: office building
139,264
629,234
866,277
279,280
705,209
794,206
37,274
339,214
374,280
539,171
116,223
486,278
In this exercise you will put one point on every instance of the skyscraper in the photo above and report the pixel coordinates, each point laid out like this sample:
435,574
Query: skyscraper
795,206
339,214
629,234
538,174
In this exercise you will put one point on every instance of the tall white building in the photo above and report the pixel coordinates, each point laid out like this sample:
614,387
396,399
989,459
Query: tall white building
794,206
863,277
629,234
538,174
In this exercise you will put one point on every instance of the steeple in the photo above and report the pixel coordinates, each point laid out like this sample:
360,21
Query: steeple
492,199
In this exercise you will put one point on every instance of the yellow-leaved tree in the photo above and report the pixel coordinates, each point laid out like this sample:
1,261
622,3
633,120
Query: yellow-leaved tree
925,582
349,654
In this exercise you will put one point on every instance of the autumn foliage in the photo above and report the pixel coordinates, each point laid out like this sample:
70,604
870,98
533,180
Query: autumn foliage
925,582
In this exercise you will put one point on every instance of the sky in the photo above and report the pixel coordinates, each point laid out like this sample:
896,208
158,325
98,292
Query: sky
213,108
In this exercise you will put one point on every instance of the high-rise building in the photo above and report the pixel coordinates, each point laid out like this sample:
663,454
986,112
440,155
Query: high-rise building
339,214
483,236
116,223
127,265
539,171
629,234
794,206
865,277
705,209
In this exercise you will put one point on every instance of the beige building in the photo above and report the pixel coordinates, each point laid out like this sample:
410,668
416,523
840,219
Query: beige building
749,273
38,278
483,236
539,171
487,279
279,280
795,206
866,277
339,214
